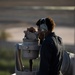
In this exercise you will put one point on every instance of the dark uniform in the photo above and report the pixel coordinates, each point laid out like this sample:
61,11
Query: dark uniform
51,55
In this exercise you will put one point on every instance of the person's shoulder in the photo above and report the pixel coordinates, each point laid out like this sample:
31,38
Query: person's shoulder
59,39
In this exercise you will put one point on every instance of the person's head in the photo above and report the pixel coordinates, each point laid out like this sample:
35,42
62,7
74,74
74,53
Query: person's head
45,24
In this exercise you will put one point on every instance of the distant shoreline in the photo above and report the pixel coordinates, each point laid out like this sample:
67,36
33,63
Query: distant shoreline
71,8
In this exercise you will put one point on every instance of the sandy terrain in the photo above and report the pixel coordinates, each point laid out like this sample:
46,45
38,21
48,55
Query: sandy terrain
66,33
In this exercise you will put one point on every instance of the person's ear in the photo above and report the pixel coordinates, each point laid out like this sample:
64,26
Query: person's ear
38,22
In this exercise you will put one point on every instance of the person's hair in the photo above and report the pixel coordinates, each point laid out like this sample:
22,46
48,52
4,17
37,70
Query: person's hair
48,21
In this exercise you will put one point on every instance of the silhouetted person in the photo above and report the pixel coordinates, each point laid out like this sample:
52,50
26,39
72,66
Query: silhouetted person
51,52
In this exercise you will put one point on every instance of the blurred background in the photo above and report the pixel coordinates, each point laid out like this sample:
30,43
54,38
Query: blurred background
17,15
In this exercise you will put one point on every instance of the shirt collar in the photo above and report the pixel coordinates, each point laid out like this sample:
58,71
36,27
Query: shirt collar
50,34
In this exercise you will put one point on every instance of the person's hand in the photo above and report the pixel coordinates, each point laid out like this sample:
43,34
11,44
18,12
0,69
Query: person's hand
41,35
31,29
31,34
